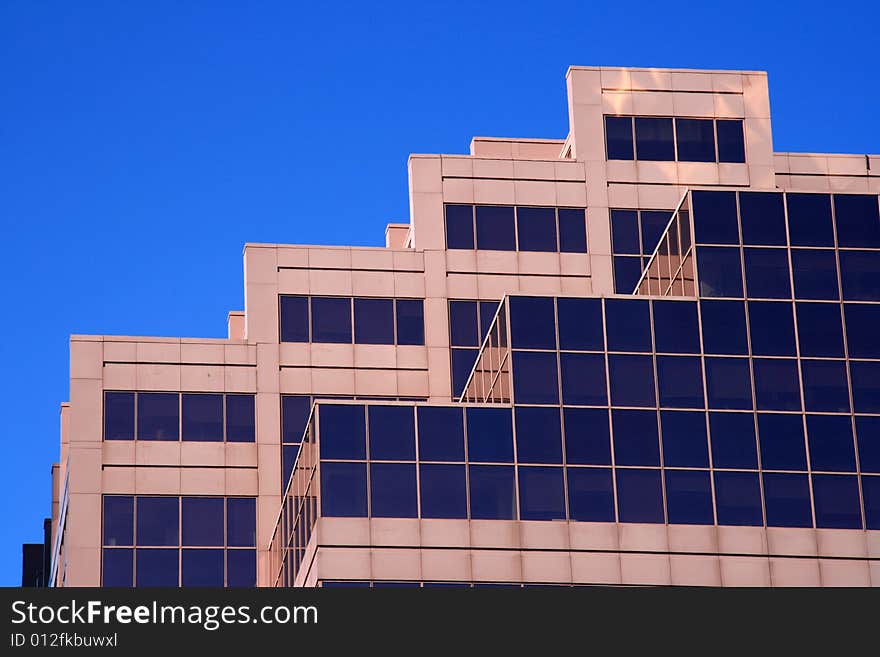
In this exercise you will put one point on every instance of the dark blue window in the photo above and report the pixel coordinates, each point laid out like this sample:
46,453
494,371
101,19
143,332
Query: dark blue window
590,494
719,271
865,378
441,433
627,271
809,220
536,229
393,490
825,386
487,314
241,568
635,437
331,320
202,568
782,442
639,496
689,497
156,568
815,274
868,432
819,329
294,319
862,321
240,419
495,229
776,385
738,499
837,501
459,226
772,328
733,440
294,415
763,218
410,321
787,500
392,433
831,443
676,327
535,380
118,416
541,494
728,383
374,321
118,520
695,139
653,225
463,329
117,568
587,440
580,324
443,491
202,417
288,459
493,492
731,143
572,230
538,436
629,325
860,275
858,220
532,324
583,379
625,232
654,140
342,431
157,521
871,494
490,435
767,275
684,439
158,416
680,381
344,490
241,521
724,327
619,137
462,364
715,220
202,521
632,380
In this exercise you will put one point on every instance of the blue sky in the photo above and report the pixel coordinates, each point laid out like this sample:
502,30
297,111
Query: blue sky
143,143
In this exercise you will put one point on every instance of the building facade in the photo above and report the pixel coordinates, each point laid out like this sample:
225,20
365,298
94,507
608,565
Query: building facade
639,355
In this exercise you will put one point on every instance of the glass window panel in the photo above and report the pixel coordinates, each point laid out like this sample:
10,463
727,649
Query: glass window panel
580,324
862,321
825,385
288,459
538,435
738,499
241,521
410,321
156,568
639,496
118,416
590,494
731,143
331,320
728,383
680,381
771,326
536,229
868,432
463,324
627,271
860,275
654,223
158,416
865,378
629,324
689,497
240,419
583,379
837,501
776,385
493,492
719,271
202,568
342,432
715,220
809,220
373,321
344,489
767,274
241,568
782,442
459,226
635,437
724,327
393,490
487,314
625,232
118,520
695,139
392,433
541,493
441,433
676,327
202,417
632,380
572,230
157,521
733,440
462,364
587,439
831,443
294,319
858,220
495,229
443,491
532,324
684,439
294,415
117,568
202,522
619,137
763,218
654,140
871,494
490,435
819,330
535,380
815,274
787,500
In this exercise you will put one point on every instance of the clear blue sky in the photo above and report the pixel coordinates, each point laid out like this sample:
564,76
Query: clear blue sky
143,143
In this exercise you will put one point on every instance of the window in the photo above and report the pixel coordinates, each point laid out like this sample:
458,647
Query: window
629,325
463,329
535,380
202,417
459,226
625,232
572,230
240,419
531,323
541,493
654,224
815,274
858,220
680,381
689,497
344,489
443,491
241,521
493,492
724,327
632,380
871,494
441,433
862,321
787,500
676,327
536,229
684,439
157,521
782,442
117,567
462,363
728,383
342,431
868,432
865,378
587,439
331,320
635,437
819,330
487,315
837,501
590,494
118,416
410,321
374,321
772,328
393,490
580,324
639,496
495,228
619,137
654,139
627,272
157,567
714,215
241,568
294,415
392,433
202,568
733,440
695,139
158,416
767,274
538,435
118,520
809,220
202,521
294,319
776,385
490,435
738,499
859,275
583,379
731,143
825,386
763,218
831,443
719,272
